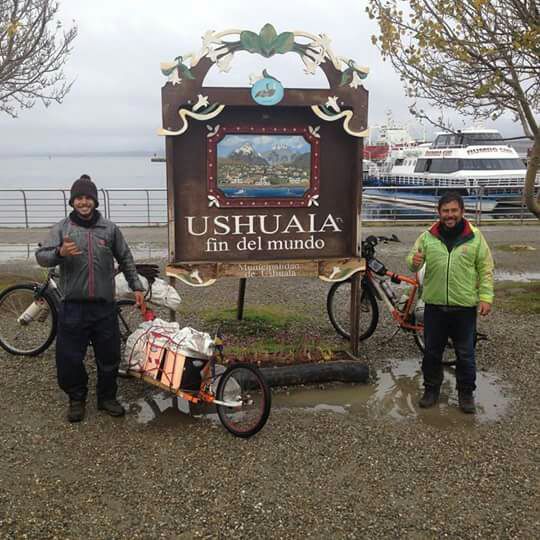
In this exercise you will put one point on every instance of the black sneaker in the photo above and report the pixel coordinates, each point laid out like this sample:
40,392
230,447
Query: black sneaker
466,402
76,411
112,407
430,398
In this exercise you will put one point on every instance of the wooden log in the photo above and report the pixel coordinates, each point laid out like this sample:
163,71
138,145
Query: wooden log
339,371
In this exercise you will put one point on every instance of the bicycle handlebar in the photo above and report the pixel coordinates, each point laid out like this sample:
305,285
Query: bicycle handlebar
368,245
374,240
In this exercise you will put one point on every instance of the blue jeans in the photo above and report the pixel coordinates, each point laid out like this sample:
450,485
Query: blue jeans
458,324
80,324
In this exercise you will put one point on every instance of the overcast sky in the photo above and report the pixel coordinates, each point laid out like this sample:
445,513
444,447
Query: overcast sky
115,102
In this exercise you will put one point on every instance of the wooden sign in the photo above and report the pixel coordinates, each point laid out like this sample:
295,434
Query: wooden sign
263,181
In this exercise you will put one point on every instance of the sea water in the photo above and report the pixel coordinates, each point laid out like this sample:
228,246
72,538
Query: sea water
52,172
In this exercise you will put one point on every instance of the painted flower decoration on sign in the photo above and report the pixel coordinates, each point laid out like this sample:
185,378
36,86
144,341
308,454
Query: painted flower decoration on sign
268,42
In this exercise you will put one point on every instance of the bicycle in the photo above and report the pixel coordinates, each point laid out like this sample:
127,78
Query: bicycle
378,283
28,316
29,313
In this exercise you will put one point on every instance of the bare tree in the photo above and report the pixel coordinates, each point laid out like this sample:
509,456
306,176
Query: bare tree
479,57
33,50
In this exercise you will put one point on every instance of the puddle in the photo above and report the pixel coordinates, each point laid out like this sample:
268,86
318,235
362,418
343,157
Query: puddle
395,394
522,277
161,410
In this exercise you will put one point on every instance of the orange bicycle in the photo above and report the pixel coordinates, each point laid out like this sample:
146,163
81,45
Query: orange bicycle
378,283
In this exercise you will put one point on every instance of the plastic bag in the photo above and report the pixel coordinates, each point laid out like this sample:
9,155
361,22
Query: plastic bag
163,294
122,288
167,335
137,342
193,343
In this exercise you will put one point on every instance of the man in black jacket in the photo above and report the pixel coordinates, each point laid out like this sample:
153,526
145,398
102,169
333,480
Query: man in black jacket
85,245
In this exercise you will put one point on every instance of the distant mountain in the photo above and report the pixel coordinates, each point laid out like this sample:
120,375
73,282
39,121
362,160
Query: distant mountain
247,154
302,161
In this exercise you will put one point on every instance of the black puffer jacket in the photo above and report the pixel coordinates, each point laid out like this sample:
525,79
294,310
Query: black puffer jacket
89,276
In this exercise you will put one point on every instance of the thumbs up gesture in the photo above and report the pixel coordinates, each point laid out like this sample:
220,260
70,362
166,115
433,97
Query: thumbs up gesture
418,259
69,248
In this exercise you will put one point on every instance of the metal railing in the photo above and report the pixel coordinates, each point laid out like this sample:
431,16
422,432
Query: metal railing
43,207
409,203
148,207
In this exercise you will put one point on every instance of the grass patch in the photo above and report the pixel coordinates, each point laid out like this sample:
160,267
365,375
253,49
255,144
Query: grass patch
518,297
269,334
274,351
515,248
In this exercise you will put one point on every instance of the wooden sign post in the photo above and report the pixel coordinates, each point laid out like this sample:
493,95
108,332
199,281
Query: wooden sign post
264,181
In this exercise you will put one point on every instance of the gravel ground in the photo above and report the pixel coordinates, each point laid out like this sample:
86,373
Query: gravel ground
306,474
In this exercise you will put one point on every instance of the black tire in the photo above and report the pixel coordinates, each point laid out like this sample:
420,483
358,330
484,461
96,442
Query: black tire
36,336
338,305
244,383
129,317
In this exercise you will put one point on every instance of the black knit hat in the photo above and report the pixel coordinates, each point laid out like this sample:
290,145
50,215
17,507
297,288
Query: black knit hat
84,186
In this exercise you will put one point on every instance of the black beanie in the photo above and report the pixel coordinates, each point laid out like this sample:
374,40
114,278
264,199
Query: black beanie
84,186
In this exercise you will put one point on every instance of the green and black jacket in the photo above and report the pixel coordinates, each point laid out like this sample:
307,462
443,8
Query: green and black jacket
462,276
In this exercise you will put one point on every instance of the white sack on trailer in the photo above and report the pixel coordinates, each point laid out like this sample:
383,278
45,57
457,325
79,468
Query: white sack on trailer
163,294
135,351
187,341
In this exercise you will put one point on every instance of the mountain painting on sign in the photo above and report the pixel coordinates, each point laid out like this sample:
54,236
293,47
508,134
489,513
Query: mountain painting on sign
263,166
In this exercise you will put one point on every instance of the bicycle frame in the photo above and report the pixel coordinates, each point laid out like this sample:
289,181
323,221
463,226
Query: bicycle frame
401,317
196,396
204,393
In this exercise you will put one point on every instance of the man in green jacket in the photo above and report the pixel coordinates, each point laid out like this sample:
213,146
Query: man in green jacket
458,282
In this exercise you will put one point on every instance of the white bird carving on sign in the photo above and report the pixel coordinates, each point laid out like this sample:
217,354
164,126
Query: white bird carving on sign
195,275
335,271
332,103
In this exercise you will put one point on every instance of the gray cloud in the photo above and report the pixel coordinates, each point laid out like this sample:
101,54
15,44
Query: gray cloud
115,102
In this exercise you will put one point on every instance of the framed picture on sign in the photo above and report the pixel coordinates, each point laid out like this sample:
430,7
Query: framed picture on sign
263,166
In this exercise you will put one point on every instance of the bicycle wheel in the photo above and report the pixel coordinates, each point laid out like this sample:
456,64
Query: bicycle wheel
338,305
129,317
244,387
26,338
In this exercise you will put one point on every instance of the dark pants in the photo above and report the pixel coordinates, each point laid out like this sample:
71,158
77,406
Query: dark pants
458,324
78,325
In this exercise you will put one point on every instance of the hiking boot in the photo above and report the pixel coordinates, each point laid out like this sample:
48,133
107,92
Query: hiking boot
430,398
112,407
76,411
466,402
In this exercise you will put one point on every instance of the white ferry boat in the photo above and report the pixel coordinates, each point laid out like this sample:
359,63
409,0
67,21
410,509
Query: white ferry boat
476,162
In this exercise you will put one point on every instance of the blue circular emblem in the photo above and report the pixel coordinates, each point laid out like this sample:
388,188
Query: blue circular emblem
267,91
